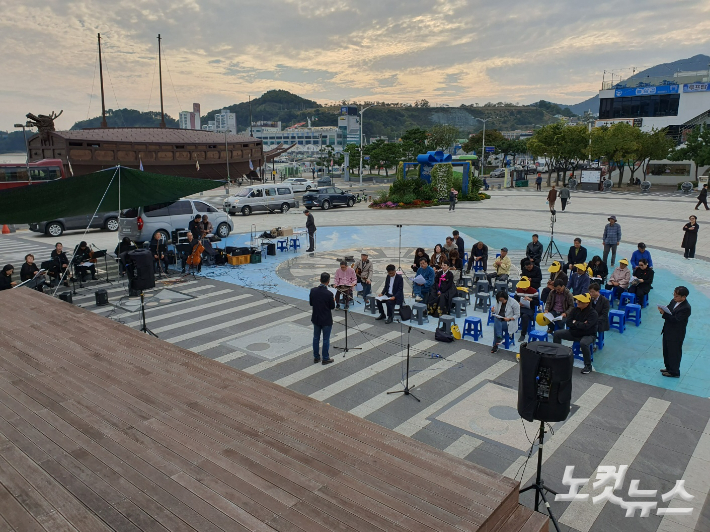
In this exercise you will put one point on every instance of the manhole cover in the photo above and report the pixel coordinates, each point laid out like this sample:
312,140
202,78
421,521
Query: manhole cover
260,346
503,412
279,339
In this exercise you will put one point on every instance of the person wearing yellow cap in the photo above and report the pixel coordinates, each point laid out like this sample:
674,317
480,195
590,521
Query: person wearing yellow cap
556,272
582,322
620,278
579,280
526,295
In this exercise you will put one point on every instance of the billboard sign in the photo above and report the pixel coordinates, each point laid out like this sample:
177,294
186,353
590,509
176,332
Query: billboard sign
636,122
490,149
696,87
646,91
591,176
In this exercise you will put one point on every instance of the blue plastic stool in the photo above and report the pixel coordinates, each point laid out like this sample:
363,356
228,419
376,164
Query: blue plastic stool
508,339
600,340
282,245
617,320
577,351
483,301
609,294
491,319
294,244
477,265
472,326
644,301
632,311
465,257
625,298
537,336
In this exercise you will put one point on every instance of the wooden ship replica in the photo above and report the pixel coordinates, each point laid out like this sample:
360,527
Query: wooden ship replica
183,152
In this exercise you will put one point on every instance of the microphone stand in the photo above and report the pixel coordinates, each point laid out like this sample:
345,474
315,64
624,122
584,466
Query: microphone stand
103,252
144,327
407,388
347,311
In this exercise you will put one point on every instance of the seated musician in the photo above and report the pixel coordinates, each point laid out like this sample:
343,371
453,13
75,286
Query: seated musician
345,280
158,248
6,281
60,263
192,243
195,227
124,246
83,255
29,271
363,271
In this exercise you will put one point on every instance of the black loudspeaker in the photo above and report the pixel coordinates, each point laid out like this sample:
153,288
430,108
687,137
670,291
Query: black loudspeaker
229,250
545,385
271,249
66,296
101,297
139,265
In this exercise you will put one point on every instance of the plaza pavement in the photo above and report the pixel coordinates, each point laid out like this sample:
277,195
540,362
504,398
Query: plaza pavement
468,396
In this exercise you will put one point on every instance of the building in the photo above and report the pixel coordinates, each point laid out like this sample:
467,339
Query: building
349,124
191,120
306,139
224,121
678,104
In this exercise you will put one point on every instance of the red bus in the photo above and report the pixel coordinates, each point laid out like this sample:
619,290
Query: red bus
15,174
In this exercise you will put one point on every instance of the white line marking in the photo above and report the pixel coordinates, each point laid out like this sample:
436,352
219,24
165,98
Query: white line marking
463,446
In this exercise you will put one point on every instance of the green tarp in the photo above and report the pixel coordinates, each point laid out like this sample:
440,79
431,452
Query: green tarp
79,195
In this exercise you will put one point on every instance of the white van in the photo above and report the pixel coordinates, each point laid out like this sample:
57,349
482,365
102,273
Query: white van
261,198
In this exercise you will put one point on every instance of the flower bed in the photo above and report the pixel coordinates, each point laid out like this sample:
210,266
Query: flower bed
414,205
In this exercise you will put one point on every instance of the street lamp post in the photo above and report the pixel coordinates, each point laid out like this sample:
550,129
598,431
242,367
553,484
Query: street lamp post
362,131
483,148
27,151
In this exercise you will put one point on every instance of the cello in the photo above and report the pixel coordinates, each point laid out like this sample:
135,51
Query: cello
195,257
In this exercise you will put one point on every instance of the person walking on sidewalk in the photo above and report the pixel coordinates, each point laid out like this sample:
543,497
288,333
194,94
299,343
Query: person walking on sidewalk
703,198
552,198
452,199
564,196
538,182
311,228
611,238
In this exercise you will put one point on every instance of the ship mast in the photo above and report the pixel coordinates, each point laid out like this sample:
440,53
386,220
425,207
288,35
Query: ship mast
101,77
160,75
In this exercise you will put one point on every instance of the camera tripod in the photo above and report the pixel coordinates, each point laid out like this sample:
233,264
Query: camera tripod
549,253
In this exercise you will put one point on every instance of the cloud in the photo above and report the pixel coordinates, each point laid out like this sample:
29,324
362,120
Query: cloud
217,52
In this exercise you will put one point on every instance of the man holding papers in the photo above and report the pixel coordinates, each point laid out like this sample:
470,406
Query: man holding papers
392,294
582,323
323,302
421,284
676,316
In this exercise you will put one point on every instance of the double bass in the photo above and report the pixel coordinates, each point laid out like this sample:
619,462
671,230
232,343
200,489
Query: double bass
195,257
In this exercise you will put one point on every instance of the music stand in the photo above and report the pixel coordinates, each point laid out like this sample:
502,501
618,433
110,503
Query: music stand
347,311
97,255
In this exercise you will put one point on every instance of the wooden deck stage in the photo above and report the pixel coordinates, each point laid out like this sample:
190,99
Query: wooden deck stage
105,428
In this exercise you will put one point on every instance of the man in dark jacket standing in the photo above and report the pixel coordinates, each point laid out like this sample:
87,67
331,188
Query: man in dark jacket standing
459,243
582,322
703,198
311,227
674,331
323,302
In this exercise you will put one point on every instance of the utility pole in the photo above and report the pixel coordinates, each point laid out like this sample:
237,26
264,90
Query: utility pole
160,75
362,132
226,151
104,124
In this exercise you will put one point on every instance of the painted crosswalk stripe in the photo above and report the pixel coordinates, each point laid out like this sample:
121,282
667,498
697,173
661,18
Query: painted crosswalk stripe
463,446
207,317
253,370
230,356
581,515
586,403
273,324
696,476
116,290
190,309
383,399
220,326
370,371
182,305
419,420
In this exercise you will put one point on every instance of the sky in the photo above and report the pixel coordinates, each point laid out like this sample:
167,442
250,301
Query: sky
217,52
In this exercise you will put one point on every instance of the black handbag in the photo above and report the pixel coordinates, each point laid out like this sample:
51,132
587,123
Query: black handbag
443,336
405,312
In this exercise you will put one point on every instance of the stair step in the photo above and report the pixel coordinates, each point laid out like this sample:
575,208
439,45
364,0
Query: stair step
523,519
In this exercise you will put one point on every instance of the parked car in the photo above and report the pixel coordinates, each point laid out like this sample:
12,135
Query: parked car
299,184
328,197
142,223
261,198
498,172
103,220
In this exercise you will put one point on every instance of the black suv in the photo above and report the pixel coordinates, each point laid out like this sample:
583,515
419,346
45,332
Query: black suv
328,197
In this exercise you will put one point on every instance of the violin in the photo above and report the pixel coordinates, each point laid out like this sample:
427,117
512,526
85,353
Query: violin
91,257
195,257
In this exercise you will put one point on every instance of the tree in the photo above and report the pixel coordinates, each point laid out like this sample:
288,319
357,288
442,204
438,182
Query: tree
696,148
442,137
385,154
656,145
413,143
546,142
475,143
573,147
615,144
353,150
512,147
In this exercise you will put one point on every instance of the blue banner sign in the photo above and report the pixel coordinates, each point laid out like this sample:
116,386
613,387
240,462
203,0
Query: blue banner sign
490,149
646,91
696,87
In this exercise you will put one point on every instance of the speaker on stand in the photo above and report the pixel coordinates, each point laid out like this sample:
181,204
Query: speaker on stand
545,395
139,267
